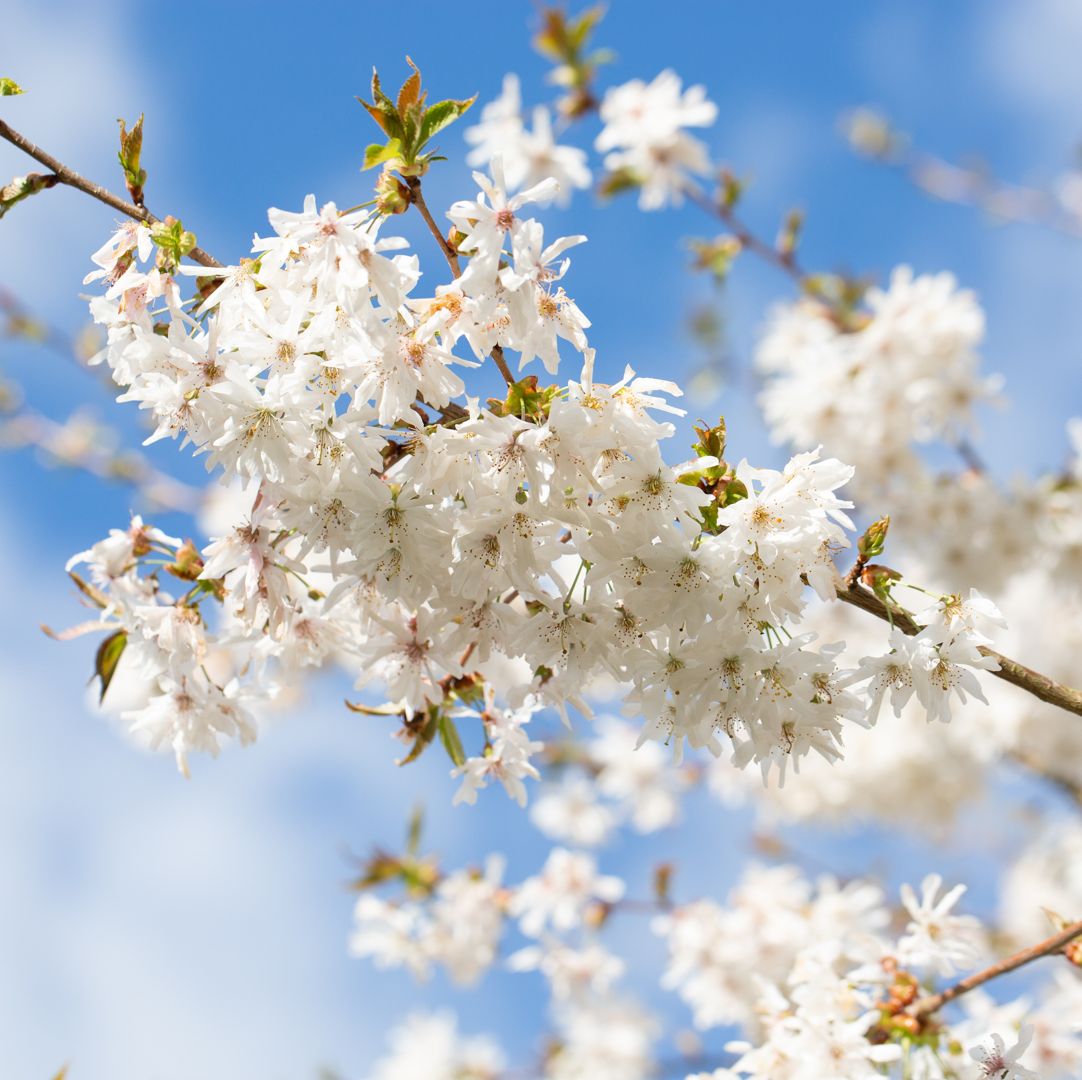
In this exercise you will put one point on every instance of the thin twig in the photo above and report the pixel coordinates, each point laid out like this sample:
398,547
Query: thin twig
501,363
73,179
925,1006
784,261
451,255
974,186
418,200
970,458
1033,682
1071,788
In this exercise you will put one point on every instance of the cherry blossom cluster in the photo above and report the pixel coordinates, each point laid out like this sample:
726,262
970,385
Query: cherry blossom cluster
954,528
530,154
605,782
476,561
909,375
459,922
644,139
821,978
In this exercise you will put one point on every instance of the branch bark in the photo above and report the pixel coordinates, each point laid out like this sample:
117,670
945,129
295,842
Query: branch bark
925,1006
418,200
1033,682
785,262
71,178
451,255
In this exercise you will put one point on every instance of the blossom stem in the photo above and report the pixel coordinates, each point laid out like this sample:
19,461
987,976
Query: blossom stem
501,363
1033,682
418,200
925,1006
451,255
68,176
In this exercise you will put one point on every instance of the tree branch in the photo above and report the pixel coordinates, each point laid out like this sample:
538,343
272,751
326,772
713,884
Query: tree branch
785,262
451,255
73,179
1033,682
1070,788
418,200
925,1006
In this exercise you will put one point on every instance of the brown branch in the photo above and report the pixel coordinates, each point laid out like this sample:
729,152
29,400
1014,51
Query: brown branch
418,200
1070,788
73,179
784,261
925,1006
970,458
1033,682
501,363
451,255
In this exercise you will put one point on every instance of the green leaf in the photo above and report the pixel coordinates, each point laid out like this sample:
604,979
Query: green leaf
377,155
378,115
711,440
579,30
618,181
10,88
451,741
526,399
717,255
173,241
378,96
107,658
441,115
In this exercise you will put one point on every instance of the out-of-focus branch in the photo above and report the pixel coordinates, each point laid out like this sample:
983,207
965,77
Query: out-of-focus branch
872,135
839,294
783,260
80,444
71,178
1071,788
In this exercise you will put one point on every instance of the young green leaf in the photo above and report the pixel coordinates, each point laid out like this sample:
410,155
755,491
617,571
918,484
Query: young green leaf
377,155
441,115
107,658
423,737
450,738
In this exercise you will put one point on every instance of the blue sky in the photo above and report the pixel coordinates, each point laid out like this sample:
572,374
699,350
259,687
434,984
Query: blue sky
152,928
